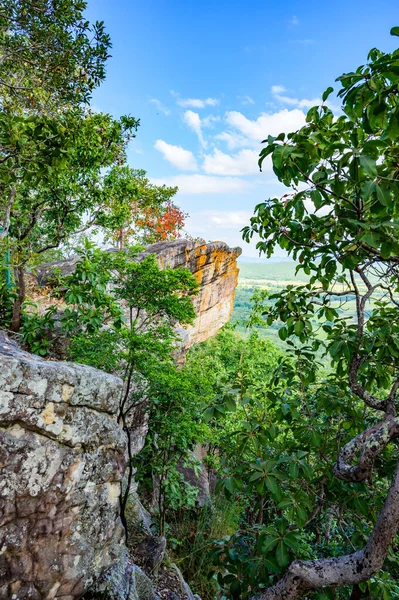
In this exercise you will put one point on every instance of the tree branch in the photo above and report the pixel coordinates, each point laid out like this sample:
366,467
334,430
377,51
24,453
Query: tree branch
370,444
303,576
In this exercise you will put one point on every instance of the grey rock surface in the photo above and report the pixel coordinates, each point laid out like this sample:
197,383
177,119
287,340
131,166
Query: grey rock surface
125,581
62,459
185,587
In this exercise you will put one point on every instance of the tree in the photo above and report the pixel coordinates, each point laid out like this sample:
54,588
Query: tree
343,231
51,202
51,59
138,211
50,55
53,150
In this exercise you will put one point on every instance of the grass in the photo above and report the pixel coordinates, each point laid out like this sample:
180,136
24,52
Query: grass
191,534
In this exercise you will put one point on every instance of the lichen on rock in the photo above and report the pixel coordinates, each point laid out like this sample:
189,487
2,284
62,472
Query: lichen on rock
62,458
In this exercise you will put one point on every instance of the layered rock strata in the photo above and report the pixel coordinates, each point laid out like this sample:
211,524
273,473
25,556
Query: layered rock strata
214,266
62,458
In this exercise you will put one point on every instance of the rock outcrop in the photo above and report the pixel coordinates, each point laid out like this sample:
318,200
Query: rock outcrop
63,453
213,264
62,458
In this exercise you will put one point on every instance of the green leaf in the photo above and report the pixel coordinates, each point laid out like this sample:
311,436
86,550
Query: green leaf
285,502
283,333
299,327
384,195
372,239
272,485
291,540
271,564
269,542
255,476
294,470
386,250
229,485
395,31
282,554
280,155
368,188
208,414
230,403
369,165
325,95
316,198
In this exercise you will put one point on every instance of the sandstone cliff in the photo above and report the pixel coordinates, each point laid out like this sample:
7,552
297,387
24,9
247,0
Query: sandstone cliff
214,265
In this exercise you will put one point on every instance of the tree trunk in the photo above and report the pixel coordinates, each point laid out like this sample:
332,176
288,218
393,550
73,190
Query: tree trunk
19,272
303,576
5,225
356,593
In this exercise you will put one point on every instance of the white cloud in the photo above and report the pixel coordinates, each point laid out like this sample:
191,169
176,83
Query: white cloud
287,100
194,102
177,156
234,140
305,103
267,123
209,219
193,120
244,162
160,106
204,184
229,219
222,225
294,20
278,91
209,121
197,102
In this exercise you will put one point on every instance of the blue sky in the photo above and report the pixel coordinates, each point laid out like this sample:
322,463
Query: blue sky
210,79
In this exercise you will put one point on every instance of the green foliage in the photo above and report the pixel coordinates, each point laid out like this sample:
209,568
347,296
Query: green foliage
190,536
275,446
6,298
41,36
94,296
341,228
131,202
175,428
37,329
54,150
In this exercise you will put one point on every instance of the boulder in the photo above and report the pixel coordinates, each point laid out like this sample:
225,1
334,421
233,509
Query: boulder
62,459
125,581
